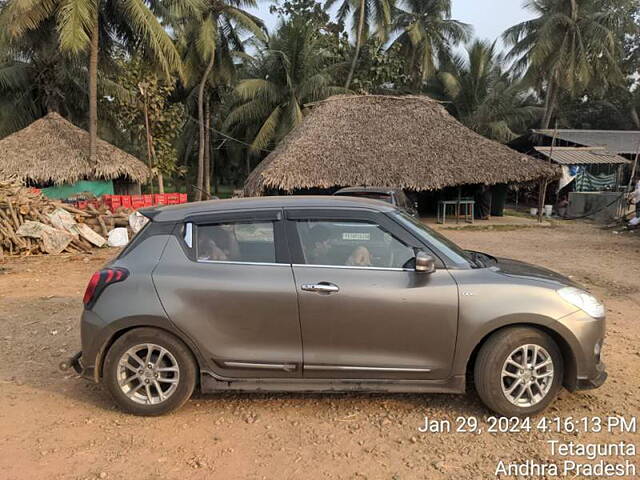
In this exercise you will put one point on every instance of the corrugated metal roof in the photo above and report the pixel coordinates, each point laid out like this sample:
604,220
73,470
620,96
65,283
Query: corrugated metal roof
616,141
581,155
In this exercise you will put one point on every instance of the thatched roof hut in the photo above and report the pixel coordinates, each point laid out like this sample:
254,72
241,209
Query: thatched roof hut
53,150
410,142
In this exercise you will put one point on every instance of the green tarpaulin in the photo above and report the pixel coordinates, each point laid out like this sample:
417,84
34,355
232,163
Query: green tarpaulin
65,191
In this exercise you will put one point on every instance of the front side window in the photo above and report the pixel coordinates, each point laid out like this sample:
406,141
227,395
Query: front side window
237,242
352,243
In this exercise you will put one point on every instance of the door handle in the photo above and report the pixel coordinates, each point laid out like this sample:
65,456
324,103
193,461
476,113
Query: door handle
322,287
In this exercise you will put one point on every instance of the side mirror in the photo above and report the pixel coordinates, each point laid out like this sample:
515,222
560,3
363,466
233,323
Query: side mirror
425,263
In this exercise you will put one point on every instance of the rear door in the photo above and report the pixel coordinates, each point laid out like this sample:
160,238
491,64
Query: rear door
364,311
226,281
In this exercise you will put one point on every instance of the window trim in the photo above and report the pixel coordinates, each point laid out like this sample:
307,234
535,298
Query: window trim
188,234
238,262
354,267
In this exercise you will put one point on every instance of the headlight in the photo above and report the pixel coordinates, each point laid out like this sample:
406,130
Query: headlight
583,300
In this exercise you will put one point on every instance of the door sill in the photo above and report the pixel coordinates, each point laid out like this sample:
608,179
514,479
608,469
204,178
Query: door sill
210,383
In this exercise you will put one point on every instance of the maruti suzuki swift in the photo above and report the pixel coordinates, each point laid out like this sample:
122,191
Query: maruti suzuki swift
320,294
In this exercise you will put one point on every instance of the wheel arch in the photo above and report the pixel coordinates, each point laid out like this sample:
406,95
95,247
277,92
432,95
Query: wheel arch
119,332
569,359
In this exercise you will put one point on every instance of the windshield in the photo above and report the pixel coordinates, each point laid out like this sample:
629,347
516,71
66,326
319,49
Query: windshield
439,241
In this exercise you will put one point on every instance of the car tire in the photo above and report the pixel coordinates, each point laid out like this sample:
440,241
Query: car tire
161,383
518,359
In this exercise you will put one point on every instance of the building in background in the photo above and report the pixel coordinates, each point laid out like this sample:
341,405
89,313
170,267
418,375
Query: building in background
408,142
52,154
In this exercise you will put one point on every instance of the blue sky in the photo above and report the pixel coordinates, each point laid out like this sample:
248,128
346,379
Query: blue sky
488,17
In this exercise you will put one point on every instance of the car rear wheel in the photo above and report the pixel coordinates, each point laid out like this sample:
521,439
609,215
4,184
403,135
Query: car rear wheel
149,372
518,371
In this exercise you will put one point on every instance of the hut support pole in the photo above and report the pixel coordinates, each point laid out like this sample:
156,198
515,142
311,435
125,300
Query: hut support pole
544,182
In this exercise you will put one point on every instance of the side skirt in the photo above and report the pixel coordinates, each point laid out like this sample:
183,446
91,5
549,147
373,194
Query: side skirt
209,383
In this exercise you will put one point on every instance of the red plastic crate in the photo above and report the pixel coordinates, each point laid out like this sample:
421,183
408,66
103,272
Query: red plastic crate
148,200
159,199
126,201
114,203
183,198
172,198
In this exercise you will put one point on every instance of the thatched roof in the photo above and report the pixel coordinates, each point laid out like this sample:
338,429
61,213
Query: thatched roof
52,149
410,142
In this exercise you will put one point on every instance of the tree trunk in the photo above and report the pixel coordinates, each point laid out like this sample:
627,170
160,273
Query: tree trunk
160,182
147,129
354,62
549,104
206,186
635,117
201,123
542,195
93,88
212,165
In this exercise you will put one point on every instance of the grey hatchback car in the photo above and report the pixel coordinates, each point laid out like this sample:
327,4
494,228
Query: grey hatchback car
328,294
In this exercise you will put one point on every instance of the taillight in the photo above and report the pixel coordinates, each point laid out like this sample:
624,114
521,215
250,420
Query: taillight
100,280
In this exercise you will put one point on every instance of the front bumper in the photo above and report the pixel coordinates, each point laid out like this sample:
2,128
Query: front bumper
593,382
585,336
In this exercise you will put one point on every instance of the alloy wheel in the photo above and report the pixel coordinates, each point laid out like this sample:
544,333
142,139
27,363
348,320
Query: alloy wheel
527,375
148,374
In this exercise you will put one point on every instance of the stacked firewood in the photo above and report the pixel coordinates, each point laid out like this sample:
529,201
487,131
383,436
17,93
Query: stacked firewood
32,224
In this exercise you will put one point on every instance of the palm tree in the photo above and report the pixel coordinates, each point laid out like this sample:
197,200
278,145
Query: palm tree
35,79
427,33
290,73
571,45
482,95
210,40
89,25
368,15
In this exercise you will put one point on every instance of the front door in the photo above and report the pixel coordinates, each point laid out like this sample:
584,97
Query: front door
227,283
364,311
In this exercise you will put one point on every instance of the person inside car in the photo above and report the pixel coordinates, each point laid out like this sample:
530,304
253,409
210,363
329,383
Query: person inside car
361,257
320,253
208,250
218,243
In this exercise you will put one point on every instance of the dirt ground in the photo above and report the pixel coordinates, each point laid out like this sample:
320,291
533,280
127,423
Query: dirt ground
54,425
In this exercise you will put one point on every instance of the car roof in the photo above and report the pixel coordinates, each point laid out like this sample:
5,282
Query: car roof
384,190
176,213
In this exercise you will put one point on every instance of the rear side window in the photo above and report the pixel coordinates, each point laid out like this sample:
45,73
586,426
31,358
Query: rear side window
236,242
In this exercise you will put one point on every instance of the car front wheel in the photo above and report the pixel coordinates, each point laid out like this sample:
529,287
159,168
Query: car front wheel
149,372
518,371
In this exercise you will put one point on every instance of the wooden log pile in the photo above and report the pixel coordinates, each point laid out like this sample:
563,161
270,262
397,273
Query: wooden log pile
24,211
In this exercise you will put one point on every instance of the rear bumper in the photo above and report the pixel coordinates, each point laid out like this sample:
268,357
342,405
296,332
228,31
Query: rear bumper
75,363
